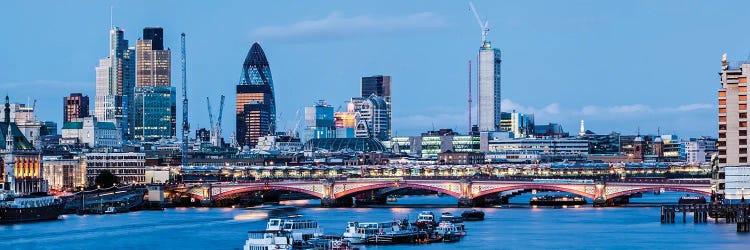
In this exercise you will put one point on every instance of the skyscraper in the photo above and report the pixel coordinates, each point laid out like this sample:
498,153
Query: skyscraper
488,75
733,167
115,80
319,121
256,104
75,106
381,86
155,101
153,67
373,119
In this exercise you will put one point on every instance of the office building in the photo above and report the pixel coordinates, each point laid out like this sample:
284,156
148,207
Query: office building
115,80
153,63
319,121
63,173
489,95
128,167
733,167
75,106
255,91
379,85
155,113
91,133
521,125
533,150
48,128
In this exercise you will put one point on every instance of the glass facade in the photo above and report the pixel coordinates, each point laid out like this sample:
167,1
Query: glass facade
115,80
155,109
489,94
256,71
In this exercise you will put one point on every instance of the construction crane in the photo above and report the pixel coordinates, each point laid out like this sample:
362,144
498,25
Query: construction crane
216,138
483,25
210,115
185,124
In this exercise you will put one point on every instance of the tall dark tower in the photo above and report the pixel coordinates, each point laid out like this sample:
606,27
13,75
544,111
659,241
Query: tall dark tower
255,88
156,35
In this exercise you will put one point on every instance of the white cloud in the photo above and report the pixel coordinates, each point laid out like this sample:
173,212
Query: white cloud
339,26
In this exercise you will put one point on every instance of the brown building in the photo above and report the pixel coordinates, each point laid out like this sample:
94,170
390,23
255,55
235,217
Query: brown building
153,63
75,106
460,158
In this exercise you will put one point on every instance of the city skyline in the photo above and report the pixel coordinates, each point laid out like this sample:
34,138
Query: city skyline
681,103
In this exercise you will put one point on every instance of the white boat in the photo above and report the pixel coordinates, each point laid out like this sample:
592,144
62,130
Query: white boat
269,240
301,230
447,227
378,232
426,217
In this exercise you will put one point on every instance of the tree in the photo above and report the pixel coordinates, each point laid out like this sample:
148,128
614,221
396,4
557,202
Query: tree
106,179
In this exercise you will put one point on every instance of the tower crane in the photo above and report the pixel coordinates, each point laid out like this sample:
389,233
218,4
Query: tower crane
216,138
210,115
483,25
185,124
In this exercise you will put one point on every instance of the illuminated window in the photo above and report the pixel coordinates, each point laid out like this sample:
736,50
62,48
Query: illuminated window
743,106
722,102
722,119
722,93
742,98
722,110
742,79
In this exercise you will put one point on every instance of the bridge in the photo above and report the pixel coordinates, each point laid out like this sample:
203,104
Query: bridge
468,191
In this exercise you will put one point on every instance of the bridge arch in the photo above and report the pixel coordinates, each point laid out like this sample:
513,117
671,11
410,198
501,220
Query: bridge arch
265,188
658,188
533,186
391,184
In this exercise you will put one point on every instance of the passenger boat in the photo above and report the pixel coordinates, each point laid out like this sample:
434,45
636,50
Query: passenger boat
692,200
446,216
450,229
301,230
34,207
562,200
390,232
472,215
331,243
269,240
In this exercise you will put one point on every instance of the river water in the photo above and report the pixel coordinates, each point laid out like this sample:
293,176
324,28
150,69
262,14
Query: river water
504,228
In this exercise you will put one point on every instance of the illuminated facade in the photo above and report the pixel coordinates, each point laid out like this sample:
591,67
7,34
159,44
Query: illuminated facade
319,122
128,167
153,63
20,160
732,142
155,113
255,103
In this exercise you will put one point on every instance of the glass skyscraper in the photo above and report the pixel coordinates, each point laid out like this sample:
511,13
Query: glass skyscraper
379,85
255,92
155,109
115,80
488,75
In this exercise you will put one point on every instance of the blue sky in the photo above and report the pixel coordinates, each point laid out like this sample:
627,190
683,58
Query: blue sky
619,65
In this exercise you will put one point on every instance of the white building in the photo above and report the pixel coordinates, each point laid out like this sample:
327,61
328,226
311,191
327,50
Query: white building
733,125
128,167
531,150
695,152
25,119
488,91
373,113
91,132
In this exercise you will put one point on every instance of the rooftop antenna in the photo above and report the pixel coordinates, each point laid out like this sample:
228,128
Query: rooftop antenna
484,25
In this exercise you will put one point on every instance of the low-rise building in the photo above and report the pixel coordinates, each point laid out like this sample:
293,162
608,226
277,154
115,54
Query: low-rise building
532,150
128,167
460,158
63,173
91,133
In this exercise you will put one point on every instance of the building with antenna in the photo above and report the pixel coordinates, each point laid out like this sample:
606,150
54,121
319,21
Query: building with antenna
115,82
21,161
488,81
256,104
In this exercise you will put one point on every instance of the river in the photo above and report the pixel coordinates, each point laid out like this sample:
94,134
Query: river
504,228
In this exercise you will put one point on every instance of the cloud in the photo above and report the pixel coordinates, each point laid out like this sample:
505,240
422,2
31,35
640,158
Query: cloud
337,25
640,109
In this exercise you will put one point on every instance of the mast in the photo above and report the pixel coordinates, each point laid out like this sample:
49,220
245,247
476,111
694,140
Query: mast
469,97
185,124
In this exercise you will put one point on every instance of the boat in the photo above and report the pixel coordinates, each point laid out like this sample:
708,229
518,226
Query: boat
472,215
28,208
390,232
331,243
269,239
301,229
446,216
449,229
110,210
392,198
692,200
557,200
425,220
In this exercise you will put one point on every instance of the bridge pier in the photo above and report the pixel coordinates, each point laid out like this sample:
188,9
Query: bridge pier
600,195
